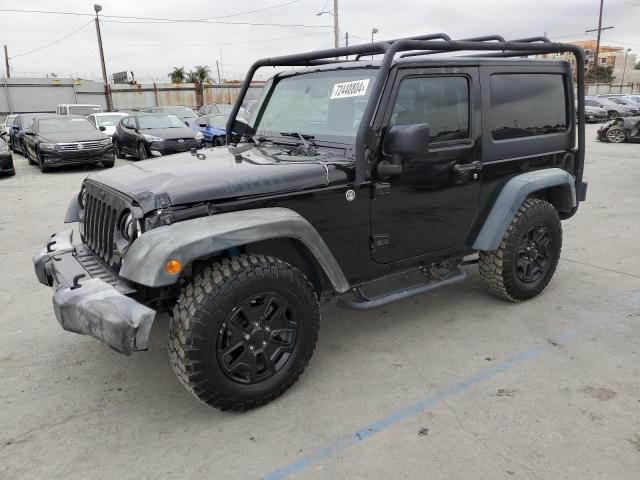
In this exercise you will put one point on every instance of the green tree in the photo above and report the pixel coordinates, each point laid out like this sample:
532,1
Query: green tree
600,75
177,75
637,67
200,74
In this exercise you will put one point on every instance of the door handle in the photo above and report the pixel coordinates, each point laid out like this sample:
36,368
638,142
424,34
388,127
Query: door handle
465,167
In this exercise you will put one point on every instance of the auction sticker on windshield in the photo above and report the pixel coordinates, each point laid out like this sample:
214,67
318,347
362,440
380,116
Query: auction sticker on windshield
356,88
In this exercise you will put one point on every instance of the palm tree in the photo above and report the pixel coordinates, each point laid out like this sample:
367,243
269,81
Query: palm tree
201,73
177,75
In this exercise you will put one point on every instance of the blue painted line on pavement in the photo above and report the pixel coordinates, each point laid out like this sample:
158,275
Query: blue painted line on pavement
425,404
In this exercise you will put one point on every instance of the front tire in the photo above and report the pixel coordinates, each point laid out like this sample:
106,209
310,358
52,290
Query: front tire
243,331
117,150
218,142
142,152
616,135
528,255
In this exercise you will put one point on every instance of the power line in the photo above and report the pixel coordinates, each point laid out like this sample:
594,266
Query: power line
258,10
79,61
166,45
52,43
133,19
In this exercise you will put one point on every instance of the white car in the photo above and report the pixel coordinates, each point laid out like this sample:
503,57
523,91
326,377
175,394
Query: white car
106,121
6,125
77,109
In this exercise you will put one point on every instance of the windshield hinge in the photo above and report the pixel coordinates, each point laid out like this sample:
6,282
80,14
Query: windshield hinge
382,188
380,240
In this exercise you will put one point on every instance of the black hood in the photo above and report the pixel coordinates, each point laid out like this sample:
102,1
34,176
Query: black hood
224,175
66,137
169,133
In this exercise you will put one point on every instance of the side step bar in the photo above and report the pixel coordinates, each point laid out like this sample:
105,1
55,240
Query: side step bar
362,302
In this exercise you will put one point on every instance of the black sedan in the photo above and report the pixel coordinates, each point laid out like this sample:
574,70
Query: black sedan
67,140
147,135
6,161
620,130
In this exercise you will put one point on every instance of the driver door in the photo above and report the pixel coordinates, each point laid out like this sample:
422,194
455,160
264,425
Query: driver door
430,206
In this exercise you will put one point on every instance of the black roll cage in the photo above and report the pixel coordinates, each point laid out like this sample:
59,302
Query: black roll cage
419,46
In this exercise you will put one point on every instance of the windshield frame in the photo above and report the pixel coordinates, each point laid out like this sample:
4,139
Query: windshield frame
369,71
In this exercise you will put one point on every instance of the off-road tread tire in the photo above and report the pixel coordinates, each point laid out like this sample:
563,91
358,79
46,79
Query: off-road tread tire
495,265
216,281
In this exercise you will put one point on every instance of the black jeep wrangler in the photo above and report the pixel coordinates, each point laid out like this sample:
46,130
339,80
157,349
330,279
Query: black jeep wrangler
351,176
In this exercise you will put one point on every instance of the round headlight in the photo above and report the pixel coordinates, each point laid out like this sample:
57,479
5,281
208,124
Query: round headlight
127,227
82,196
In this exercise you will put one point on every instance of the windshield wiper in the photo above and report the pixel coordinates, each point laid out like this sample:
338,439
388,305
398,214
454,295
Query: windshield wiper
309,150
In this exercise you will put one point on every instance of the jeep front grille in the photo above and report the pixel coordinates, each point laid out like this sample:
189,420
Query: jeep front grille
102,210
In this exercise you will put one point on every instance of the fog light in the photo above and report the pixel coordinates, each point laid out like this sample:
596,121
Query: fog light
156,153
173,266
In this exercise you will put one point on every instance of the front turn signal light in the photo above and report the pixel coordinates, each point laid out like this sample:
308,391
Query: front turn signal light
173,266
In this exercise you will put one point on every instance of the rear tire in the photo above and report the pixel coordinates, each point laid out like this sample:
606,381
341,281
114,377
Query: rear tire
243,331
526,259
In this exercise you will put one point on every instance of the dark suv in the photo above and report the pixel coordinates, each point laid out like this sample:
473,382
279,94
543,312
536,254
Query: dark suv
368,180
146,135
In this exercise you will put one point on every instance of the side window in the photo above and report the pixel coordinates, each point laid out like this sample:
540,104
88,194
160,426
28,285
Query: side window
442,102
128,122
590,103
527,105
202,121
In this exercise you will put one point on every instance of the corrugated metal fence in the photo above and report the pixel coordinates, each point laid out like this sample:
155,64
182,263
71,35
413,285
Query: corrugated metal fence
19,95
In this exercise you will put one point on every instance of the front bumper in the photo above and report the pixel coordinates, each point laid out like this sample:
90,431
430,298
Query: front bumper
169,147
87,157
89,298
6,163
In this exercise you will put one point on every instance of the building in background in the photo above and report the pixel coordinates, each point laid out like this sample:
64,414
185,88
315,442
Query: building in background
608,57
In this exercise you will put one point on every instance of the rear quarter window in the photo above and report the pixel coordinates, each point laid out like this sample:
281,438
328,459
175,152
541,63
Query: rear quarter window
527,105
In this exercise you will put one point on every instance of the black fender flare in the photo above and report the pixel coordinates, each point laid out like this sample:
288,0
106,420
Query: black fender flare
205,236
514,192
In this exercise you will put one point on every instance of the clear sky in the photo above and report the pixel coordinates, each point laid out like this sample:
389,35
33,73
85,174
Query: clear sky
152,48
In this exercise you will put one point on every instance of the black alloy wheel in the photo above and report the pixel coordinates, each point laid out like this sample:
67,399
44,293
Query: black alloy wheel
524,263
257,338
533,255
243,330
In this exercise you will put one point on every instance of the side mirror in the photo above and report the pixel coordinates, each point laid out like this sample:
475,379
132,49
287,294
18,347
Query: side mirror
403,141
203,125
408,140
102,129
186,123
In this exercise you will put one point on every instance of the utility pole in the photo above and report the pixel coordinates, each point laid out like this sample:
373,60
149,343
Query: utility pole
624,68
373,32
218,69
107,93
336,28
6,61
346,43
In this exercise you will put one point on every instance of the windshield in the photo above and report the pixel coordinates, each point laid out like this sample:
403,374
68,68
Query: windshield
52,125
321,104
108,120
182,112
84,109
159,121
218,121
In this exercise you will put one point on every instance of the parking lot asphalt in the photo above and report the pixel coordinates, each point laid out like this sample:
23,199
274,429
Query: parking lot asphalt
449,385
